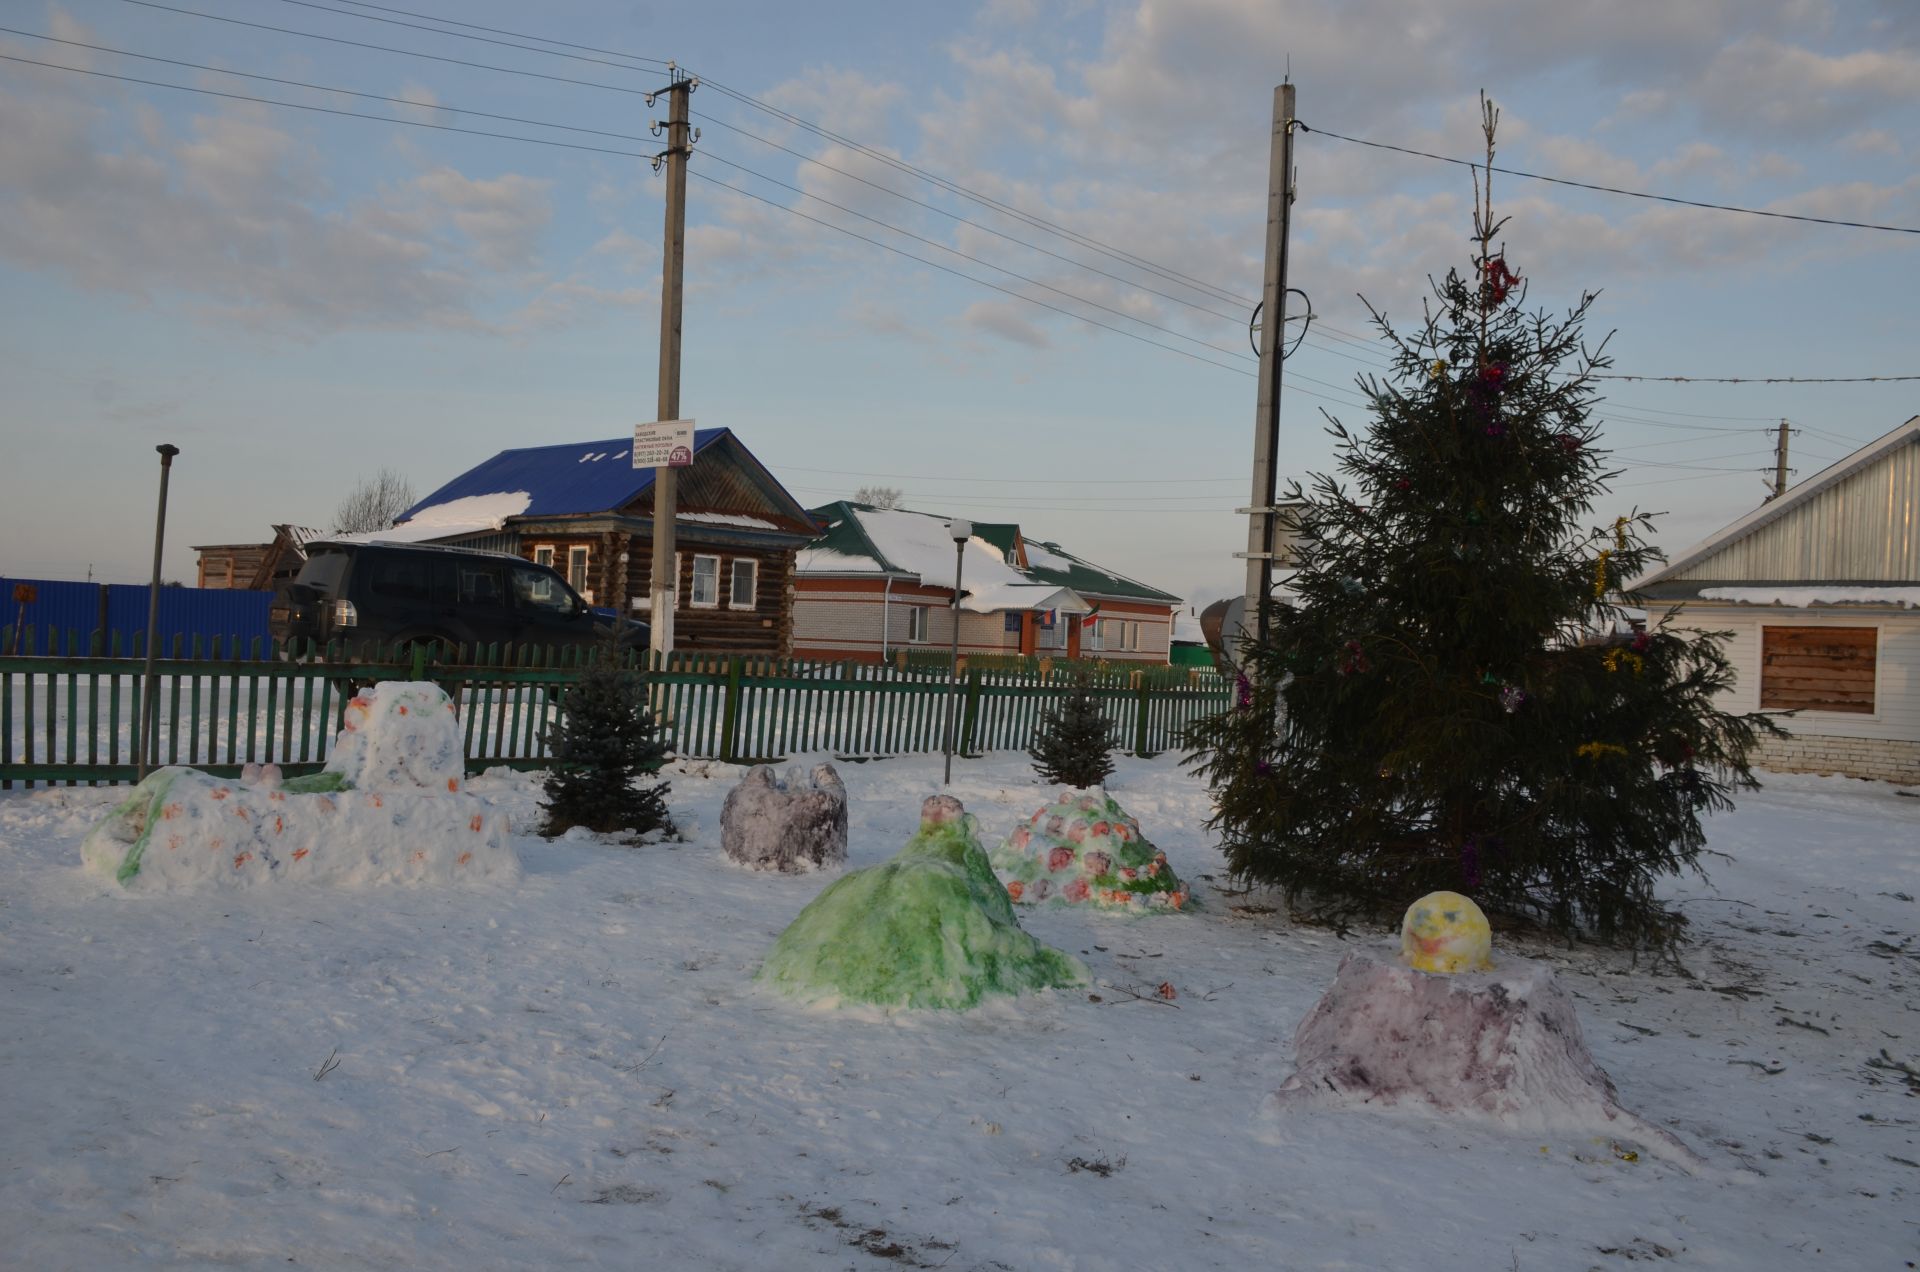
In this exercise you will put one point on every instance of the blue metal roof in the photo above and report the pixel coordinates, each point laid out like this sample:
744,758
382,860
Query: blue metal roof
574,478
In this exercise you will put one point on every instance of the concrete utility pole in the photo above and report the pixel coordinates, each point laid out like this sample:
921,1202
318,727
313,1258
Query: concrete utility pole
664,586
1779,464
1266,421
143,745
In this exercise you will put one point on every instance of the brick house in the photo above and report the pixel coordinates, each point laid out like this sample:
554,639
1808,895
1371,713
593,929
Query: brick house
1820,589
881,580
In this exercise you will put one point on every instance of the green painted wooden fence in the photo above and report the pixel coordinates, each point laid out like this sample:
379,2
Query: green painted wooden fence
69,704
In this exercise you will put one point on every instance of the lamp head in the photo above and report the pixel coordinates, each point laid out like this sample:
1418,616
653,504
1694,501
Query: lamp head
960,531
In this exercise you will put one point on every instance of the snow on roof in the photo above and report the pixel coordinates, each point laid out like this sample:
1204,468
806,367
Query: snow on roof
994,597
829,561
1827,594
918,544
727,519
469,514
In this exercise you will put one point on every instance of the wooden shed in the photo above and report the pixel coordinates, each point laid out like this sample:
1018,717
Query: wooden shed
1820,589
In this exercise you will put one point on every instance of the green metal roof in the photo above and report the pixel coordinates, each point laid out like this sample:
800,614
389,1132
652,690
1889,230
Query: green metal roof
1084,576
1046,562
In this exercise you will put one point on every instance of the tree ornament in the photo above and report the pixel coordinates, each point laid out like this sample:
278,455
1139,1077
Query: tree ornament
1511,698
1438,369
1355,662
1497,281
1600,573
1594,750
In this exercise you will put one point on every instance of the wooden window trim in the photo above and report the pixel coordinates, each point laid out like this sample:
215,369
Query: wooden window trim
693,582
733,584
1830,670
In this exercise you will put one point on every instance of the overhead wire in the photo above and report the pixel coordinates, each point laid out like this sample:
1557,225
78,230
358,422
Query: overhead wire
935,179
387,48
1604,189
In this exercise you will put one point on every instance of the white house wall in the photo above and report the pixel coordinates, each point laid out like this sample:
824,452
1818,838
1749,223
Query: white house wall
1884,745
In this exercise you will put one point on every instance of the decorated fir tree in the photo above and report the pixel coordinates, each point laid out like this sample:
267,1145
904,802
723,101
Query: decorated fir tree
1073,743
606,751
1452,697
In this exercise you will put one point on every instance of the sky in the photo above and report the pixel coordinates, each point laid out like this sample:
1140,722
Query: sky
298,299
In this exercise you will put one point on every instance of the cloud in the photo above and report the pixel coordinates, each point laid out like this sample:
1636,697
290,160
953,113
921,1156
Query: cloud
1007,321
238,214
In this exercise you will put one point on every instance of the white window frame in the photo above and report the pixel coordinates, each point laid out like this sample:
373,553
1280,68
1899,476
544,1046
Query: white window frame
752,568
1090,635
543,554
693,582
580,569
919,623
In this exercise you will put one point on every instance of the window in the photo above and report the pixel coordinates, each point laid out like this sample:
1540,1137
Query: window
577,570
537,590
746,584
1114,634
480,585
400,579
1818,668
543,554
1092,633
917,623
706,582
1013,620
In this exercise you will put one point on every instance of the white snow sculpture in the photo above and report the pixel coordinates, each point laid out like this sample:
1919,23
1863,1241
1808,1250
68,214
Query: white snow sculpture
388,808
1502,1045
795,825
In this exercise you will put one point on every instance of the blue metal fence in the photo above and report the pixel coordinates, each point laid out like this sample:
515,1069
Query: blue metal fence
119,610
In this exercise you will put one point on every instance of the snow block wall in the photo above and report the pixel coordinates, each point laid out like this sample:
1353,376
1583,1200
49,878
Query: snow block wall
793,826
930,928
1085,849
388,809
1502,1046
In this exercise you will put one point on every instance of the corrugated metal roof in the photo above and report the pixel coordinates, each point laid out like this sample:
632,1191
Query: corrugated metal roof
1857,520
852,546
572,478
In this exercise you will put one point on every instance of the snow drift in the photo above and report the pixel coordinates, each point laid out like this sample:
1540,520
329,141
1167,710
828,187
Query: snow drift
388,808
1504,1046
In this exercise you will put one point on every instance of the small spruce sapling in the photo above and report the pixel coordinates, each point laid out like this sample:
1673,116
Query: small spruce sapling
1073,745
604,745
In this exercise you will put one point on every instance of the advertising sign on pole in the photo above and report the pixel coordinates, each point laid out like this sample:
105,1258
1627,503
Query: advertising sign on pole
663,444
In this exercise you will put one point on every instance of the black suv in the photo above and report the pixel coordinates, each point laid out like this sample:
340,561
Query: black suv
401,594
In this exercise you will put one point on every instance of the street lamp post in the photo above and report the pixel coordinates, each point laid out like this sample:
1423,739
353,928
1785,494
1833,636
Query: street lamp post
149,712
961,532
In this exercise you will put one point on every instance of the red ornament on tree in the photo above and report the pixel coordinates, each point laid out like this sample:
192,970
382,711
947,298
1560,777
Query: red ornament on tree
1498,280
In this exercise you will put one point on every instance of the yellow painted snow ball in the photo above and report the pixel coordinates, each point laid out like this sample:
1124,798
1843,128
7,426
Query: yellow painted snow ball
1445,932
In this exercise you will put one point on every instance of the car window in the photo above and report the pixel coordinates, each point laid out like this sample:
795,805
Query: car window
323,572
400,579
540,591
480,585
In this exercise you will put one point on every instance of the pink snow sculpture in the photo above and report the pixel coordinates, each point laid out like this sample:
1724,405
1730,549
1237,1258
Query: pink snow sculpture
792,826
1505,1046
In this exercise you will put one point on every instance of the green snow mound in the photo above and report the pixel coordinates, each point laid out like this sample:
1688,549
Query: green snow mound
930,928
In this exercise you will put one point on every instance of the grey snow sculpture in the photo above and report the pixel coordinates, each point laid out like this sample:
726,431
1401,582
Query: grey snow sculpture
794,825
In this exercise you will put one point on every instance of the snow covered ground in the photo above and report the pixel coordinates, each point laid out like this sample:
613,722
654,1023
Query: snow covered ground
574,1071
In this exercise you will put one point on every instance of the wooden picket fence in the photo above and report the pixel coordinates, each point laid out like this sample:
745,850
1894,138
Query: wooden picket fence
69,705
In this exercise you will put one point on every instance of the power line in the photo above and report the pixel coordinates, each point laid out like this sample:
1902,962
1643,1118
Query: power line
746,99
935,243
1016,481
1632,194
607,150
946,269
386,48
399,101
368,17
955,216
1772,379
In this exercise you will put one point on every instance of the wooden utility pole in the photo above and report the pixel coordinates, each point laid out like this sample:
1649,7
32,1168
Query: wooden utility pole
1266,419
148,742
664,586
1779,464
